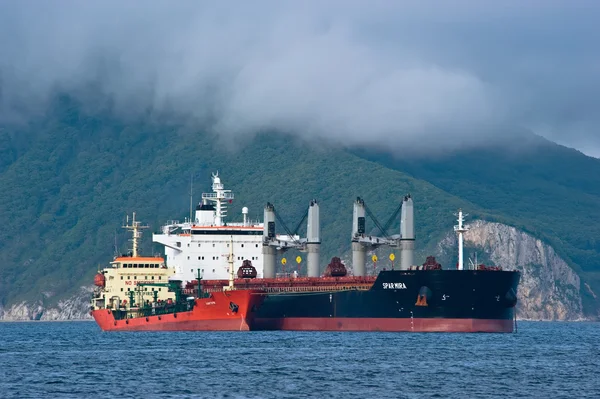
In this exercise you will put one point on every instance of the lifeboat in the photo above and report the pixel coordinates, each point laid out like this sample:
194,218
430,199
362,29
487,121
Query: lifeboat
99,280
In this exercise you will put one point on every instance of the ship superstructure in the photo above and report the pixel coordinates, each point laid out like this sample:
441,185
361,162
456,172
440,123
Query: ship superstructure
131,279
202,245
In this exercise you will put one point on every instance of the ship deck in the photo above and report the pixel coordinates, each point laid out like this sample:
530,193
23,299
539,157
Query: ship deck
298,284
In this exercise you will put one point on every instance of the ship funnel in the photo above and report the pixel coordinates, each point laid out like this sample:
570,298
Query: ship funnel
269,253
407,234
358,230
313,236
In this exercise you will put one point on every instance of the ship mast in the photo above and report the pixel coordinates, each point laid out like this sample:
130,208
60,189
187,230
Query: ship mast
135,227
220,197
460,229
230,261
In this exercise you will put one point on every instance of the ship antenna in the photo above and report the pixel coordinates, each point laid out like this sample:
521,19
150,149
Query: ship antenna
230,261
116,247
191,196
460,229
135,228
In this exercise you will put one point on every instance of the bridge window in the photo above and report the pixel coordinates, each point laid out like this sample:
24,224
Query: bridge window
128,277
135,277
242,245
198,245
160,289
121,277
160,277
146,265
152,277
213,245
213,270
256,245
188,258
128,289
121,289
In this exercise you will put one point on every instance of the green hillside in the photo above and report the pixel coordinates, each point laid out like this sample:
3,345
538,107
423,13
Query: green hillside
68,180
68,191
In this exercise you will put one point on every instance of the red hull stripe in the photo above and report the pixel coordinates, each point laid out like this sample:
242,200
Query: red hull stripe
209,314
181,323
384,324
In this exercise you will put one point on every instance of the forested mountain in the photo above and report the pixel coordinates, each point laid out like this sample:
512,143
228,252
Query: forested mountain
69,177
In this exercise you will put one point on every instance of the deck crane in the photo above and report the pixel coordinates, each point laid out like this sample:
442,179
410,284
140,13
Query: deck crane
273,243
403,241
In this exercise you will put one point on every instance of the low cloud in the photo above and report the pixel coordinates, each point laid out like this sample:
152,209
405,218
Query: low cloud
404,73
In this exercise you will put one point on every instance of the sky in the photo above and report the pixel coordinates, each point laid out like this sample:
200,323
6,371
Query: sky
402,74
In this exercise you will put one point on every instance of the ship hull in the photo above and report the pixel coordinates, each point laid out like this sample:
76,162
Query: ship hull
418,301
222,311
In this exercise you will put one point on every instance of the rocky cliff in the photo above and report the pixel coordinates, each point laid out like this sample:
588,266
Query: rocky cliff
549,288
77,307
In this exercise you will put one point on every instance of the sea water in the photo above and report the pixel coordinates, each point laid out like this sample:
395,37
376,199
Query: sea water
77,360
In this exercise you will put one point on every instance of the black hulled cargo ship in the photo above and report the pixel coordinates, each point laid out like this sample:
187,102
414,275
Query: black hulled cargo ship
412,298
425,299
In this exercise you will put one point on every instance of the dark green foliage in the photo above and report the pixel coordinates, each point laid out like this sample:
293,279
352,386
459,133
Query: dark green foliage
69,179
64,198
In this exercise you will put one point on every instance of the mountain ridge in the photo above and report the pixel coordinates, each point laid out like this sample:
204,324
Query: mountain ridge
73,175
